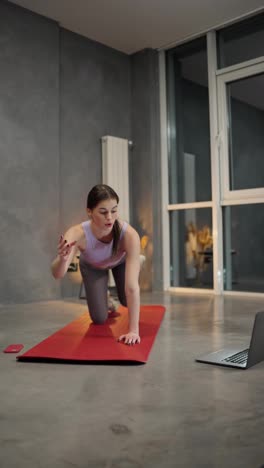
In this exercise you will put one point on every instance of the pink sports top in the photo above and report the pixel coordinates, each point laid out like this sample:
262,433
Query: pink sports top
99,254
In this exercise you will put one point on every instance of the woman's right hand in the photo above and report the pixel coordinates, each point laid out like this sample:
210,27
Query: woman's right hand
65,248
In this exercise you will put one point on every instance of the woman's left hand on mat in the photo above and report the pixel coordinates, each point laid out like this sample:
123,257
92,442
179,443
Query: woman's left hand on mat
130,338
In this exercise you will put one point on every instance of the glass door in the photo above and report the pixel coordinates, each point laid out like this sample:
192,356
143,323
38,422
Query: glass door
241,153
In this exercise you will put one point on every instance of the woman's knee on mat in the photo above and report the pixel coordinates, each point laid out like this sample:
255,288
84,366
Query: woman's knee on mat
98,314
99,320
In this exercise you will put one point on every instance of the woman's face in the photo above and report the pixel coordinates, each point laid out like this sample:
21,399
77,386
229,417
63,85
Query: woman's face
104,214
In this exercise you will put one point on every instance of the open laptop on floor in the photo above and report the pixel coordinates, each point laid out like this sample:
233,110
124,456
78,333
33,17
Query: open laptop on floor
245,358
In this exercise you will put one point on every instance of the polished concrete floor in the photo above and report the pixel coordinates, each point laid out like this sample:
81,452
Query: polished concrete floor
170,412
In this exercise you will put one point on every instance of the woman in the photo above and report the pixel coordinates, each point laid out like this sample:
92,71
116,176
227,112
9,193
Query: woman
104,242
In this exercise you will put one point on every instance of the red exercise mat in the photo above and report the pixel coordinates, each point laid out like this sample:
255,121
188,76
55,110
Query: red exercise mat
83,341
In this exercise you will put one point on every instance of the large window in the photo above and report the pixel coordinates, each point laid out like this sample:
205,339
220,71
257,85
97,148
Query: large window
246,133
243,248
191,248
189,156
189,167
241,124
241,41
216,218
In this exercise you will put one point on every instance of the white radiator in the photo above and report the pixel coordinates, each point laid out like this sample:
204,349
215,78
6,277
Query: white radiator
115,170
115,173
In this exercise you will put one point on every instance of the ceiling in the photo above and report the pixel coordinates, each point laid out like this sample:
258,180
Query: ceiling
133,25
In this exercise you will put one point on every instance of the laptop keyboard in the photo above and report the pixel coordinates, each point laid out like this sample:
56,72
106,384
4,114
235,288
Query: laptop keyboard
238,358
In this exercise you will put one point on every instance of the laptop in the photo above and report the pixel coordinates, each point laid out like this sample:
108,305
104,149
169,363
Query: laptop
241,358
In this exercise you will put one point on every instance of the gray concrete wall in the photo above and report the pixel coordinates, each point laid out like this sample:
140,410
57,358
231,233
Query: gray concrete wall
59,93
94,101
29,148
145,163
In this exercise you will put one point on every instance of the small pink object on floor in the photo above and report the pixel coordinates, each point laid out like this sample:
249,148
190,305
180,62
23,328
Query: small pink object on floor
13,348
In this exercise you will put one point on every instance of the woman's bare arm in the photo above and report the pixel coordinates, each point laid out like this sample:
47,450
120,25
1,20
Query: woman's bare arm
132,247
67,248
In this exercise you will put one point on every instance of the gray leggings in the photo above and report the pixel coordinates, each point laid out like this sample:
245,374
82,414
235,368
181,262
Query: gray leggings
95,283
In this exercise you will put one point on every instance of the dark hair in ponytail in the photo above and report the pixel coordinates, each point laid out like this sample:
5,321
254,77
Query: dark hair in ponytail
100,193
116,236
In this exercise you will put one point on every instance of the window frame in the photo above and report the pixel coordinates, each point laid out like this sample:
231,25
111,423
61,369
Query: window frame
225,77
